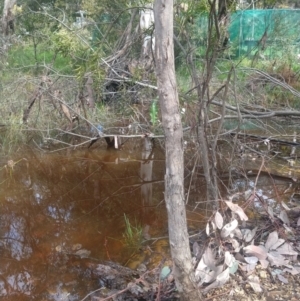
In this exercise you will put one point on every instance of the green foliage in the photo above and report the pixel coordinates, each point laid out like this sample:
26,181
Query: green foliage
132,234
25,58
154,112
12,137
69,43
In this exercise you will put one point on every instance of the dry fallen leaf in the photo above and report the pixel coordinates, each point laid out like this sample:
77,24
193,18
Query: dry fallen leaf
257,251
271,240
229,259
251,259
284,217
235,244
253,280
285,206
207,229
238,210
264,263
286,249
209,258
229,228
201,270
282,279
219,220
249,234
291,270
196,249
277,259
280,241
212,275
220,280
238,233
66,111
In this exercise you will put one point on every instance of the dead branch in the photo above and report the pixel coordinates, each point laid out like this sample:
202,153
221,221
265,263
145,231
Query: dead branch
274,80
89,88
262,138
256,114
37,96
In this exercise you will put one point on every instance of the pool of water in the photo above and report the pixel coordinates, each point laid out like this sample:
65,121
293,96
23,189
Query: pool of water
63,212
61,207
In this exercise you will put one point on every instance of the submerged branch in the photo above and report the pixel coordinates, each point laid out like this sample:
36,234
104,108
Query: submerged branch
256,114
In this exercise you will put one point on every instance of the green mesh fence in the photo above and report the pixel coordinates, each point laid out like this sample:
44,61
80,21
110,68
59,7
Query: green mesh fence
274,32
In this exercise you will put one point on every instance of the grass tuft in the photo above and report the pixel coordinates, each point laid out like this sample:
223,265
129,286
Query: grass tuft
132,234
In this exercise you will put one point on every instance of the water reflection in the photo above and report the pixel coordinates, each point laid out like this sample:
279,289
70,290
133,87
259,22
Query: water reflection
54,206
57,209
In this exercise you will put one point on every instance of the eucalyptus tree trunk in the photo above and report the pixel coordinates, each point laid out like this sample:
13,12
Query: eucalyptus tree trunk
174,177
8,17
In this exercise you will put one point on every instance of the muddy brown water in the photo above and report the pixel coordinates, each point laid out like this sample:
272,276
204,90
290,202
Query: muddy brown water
72,202
57,208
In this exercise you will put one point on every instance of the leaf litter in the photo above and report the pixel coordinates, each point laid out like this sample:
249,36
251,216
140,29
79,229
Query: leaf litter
241,260
246,254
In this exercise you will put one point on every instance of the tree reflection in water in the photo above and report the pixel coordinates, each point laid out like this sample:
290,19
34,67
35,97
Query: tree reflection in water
54,206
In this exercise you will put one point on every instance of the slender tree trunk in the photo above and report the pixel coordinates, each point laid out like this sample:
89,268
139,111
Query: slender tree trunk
174,177
8,17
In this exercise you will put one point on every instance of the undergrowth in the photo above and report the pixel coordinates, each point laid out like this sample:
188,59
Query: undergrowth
132,234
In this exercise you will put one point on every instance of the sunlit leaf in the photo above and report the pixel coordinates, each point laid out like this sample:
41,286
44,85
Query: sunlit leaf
288,229
213,274
213,225
228,228
285,206
201,270
209,258
235,244
251,259
271,240
207,229
237,233
238,210
223,277
257,251
220,280
229,259
233,269
279,242
253,280
66,111
219,220
165,272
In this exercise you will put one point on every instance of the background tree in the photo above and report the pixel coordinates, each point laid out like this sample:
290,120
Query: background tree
8,18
